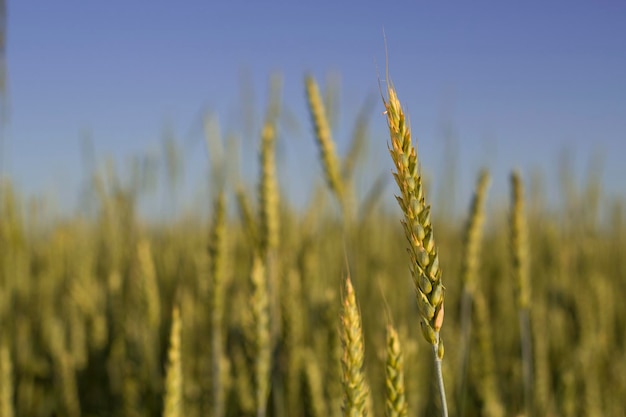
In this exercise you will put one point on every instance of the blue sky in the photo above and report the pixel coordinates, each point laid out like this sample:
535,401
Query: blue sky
517,84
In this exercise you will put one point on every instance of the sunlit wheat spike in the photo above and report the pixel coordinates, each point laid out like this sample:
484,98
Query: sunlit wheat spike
173,401
424,259
355,390
417,224
324,138
395,402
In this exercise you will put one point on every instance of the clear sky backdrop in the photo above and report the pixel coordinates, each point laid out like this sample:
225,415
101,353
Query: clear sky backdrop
514,84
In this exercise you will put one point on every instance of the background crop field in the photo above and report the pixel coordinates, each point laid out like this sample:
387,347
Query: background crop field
256,264
86,302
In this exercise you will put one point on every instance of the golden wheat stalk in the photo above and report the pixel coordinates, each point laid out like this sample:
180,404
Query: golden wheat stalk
217,249
173,401
469,271
355,389
418,231
262,344
313,385
324,139
488,387
395,404
519,242
268,190
292,337
519,255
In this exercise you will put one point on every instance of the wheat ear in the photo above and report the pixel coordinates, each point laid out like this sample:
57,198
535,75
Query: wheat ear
216,250
260,315
395,404
355,390
471,261
173,402
519,255
268,190
324,139
418,231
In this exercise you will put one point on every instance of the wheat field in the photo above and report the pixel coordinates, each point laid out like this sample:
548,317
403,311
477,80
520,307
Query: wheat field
261,309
